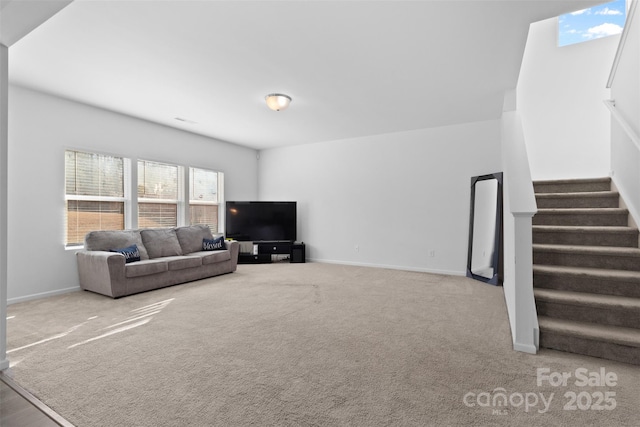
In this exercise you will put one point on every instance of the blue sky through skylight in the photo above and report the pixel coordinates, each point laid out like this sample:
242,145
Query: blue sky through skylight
592,23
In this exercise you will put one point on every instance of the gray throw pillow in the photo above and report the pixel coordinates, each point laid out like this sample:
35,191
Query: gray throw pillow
161,242
191,237
106,240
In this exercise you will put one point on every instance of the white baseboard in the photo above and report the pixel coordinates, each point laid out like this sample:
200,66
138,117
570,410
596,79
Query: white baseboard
525,348
42,295
391,267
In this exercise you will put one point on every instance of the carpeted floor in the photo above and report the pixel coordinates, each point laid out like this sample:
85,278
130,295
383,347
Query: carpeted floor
305,345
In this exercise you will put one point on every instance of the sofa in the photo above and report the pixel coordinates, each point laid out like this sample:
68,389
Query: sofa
126,262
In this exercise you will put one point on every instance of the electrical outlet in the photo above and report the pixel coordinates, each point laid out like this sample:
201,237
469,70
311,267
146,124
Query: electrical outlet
432,253
357,248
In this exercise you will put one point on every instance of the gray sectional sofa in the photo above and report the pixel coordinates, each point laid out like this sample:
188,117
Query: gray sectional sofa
167,256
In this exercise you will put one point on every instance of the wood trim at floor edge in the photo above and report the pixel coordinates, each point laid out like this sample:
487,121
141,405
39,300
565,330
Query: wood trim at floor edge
54,416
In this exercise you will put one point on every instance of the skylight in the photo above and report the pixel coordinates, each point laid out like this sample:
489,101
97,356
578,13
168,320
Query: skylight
592,23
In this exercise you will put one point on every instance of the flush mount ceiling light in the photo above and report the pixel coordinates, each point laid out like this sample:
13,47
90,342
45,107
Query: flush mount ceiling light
277,101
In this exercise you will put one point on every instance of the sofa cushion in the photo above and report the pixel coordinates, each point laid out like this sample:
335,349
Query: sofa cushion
190,237
182,262
161,242
216,244
211,257
106,240
145,267
131,253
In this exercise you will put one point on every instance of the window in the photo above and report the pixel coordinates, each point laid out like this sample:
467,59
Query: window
98,192
94,194
203,198
593,23
158,194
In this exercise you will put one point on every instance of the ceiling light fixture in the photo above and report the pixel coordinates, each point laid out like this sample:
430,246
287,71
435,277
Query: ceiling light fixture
277,101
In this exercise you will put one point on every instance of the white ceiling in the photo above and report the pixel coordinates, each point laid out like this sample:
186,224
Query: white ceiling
353,68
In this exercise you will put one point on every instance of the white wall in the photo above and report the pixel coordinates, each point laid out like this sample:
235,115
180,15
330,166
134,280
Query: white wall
41,127
396,197
560,94
625,90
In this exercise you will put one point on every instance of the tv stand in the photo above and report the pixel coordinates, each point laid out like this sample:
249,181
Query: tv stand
268,248
274,248
245,258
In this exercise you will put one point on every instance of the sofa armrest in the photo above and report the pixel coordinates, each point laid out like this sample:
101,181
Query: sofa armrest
234,247
101,271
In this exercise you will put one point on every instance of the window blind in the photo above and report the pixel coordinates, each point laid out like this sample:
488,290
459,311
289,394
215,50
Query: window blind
94,194
203,198
157,194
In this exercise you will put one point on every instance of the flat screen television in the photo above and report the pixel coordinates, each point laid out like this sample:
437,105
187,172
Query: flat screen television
261,221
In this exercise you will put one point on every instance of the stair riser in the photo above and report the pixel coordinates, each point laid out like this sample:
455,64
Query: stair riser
605,350
587,260
573,187
562,282
627,240
581,220
577,202
625,317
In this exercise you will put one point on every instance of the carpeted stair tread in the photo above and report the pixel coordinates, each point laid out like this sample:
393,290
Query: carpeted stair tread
597,273
586,235
582,216
587,279
572,185
573,181
589,211
591,331
608,257
583,194
590,250
595,199
586,299
584,229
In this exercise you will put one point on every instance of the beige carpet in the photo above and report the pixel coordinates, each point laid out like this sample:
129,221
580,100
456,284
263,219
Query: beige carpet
301,345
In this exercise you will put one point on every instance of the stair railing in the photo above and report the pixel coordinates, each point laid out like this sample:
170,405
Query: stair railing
624,124
622,43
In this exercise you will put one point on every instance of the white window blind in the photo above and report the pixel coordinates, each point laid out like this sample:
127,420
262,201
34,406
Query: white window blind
94,194
204,198
158,194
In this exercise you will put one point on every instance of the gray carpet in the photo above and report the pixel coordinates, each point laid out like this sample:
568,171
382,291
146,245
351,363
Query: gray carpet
300,345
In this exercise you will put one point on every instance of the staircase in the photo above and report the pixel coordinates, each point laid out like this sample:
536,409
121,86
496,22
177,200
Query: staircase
586,270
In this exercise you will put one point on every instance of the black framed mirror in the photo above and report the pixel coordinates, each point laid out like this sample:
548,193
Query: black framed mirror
484,261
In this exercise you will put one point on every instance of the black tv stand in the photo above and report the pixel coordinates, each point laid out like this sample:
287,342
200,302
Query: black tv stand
247,258
268,248
274,247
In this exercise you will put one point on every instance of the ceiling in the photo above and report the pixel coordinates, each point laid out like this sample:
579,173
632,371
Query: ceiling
353,68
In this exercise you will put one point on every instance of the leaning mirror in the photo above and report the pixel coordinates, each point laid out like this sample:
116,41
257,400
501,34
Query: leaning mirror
485,229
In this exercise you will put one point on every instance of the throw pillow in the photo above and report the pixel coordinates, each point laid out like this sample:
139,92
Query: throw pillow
131,253
216,244
161,242
190,237
105,240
